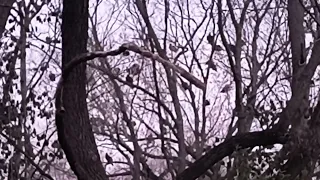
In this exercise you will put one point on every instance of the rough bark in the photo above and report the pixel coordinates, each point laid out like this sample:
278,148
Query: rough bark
73,126
300,155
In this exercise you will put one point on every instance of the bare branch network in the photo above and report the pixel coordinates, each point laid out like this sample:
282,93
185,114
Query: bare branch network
103,54
134,48
200,166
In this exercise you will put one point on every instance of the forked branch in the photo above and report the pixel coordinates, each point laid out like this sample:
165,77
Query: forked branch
241,141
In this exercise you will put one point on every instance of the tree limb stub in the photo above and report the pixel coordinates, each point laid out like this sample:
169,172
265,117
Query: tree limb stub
241,141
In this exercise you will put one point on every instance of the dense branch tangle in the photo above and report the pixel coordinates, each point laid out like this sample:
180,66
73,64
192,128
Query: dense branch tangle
102,54
232,144
201,165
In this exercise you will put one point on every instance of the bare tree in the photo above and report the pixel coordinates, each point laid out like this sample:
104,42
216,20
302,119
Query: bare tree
168,90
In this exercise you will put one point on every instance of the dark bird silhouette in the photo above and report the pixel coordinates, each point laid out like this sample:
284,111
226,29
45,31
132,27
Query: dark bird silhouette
303,54
211,65
210,39
184,85
217,48
232,48
129,79
116,71
226,88
273,105
207,102
109,159
134,69
126,53
173,48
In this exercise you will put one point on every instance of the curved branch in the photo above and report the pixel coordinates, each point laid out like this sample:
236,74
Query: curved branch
102,54
241,141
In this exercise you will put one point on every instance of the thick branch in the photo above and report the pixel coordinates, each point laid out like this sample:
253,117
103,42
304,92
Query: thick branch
134,48
242,141
129,46
181,71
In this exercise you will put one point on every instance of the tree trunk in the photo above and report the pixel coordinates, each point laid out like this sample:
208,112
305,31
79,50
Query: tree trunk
74,129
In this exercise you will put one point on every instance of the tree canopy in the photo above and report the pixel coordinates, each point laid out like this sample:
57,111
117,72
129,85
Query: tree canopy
159,89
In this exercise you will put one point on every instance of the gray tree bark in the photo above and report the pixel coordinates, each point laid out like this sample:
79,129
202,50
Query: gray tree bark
73,126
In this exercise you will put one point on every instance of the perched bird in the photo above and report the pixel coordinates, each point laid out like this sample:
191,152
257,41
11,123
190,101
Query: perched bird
184,85
207,102
134,69
312,84
126,53
273,105
129,79
52,77
232,48
173,48
217,48
210,39
116,71
226,88
149,138
109,159
303,54
217,139
211,65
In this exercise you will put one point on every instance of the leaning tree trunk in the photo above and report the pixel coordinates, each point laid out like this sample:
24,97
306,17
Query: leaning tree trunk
74,129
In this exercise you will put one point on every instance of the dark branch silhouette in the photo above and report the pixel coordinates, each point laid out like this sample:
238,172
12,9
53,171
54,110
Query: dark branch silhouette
241,141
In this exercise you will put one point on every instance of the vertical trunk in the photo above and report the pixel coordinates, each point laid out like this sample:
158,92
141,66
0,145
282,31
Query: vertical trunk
74,129
299,155
16,160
